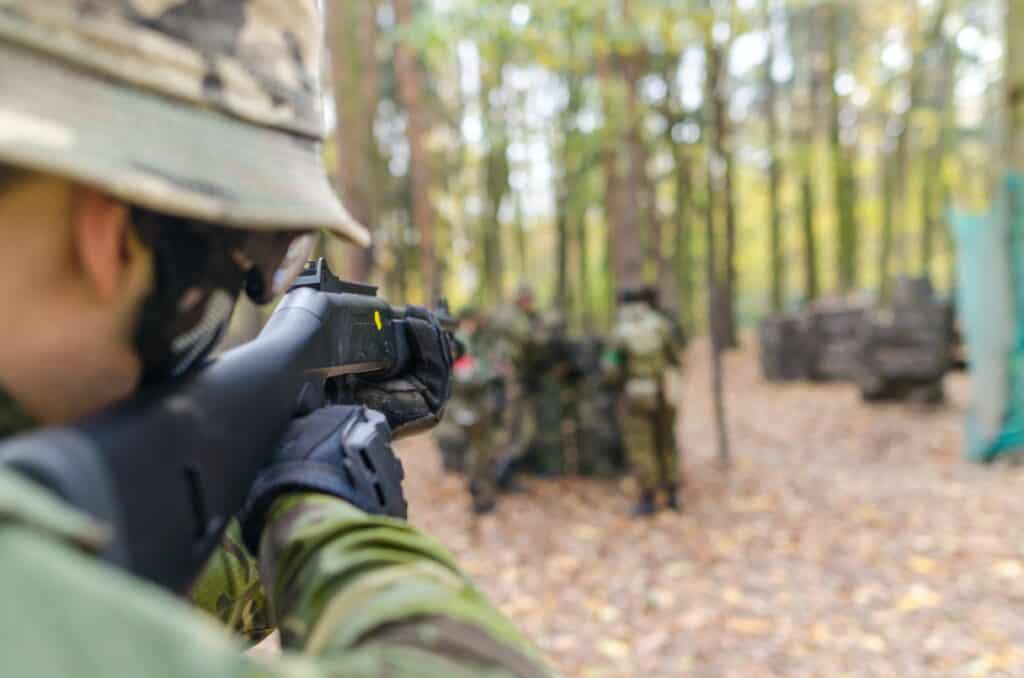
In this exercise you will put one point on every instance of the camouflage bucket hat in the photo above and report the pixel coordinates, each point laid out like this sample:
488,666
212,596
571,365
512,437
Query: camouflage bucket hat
208,109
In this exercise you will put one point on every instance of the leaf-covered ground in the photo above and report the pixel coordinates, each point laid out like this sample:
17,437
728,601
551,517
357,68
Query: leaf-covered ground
847,540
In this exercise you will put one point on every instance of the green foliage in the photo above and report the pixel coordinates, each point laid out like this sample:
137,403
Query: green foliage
539,110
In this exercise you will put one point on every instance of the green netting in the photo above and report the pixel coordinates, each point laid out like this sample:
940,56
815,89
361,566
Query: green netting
990,253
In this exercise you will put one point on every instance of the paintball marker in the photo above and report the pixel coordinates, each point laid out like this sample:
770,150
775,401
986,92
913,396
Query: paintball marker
168,469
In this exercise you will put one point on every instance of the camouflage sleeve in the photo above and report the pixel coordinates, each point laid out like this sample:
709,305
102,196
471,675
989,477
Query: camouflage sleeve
230,589
343,582
674,343
367,598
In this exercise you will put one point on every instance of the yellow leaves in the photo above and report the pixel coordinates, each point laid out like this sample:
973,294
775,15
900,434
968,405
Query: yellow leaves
823,554
613,649
868,514
732,596
821,634
750,626
758,503
919,597
565,564
677,569
724,545
874,643
1008,569
586,533
922,566
602,610
999,663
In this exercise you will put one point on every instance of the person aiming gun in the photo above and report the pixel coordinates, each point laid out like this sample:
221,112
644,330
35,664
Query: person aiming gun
158,158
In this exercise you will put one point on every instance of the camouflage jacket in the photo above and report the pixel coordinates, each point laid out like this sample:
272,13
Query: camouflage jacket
353,595
643,345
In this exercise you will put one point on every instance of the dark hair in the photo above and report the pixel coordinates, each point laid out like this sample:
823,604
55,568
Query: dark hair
8,174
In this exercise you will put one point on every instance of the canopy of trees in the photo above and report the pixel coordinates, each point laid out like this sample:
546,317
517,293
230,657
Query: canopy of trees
764,152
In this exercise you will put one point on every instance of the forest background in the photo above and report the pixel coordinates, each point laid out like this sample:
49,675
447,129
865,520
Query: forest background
754,154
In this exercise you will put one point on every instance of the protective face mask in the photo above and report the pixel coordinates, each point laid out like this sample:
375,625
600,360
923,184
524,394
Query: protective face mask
201,268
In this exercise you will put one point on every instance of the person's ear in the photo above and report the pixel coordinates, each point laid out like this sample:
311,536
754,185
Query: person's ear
100,227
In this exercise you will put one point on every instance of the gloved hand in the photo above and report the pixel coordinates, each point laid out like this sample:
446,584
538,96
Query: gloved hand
414,401
344,451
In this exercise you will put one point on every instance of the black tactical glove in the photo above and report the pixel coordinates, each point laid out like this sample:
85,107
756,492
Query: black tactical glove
414,401
344,451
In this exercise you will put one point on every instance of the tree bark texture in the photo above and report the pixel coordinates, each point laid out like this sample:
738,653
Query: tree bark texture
1015,82
410,93
495,183
844,176
775,255
353,34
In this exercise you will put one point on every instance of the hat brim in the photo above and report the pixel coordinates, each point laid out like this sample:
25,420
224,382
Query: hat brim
161,153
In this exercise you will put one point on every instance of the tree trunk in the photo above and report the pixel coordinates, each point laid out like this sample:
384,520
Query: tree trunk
731,283
568,174
807,128
716,307
722,162
625,161
934,157
614,186
775,254
847,240
353,35
808,208
889,171
716,311
683,236
583,273
417,128
631,257
495,183
521,239
1015,83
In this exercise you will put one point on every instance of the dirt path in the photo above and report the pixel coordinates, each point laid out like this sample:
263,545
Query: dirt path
847,541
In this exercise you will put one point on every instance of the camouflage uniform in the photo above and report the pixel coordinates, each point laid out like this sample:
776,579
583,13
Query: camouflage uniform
211,111
477,410
452,438
510,337
473,417
591,430
544,384
358,595
643,348
230,589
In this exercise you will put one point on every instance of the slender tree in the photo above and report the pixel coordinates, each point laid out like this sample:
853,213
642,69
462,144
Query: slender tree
805,133
776,274
410,92
353,36
933,187
713,274
496,167
1015,83
844,177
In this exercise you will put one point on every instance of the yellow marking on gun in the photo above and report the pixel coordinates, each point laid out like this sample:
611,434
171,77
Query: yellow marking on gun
377,321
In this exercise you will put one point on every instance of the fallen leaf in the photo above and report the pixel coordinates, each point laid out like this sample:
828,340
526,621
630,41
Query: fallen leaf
1008,569
919,597
750,626
613,649
922,566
